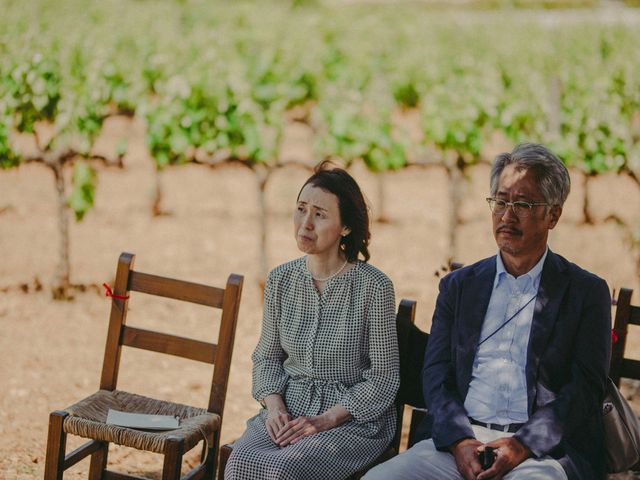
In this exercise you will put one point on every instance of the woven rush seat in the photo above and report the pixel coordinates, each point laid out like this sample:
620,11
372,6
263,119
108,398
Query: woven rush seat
87,419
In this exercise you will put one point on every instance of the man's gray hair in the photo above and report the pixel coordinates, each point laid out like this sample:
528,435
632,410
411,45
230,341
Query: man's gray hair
549,172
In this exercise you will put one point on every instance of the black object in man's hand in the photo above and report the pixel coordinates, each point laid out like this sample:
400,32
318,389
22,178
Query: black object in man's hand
486,457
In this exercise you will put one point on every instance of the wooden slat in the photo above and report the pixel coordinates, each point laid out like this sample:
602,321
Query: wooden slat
177,289
630,369
171,344
634,316
119,307
81,452
407,309
226,336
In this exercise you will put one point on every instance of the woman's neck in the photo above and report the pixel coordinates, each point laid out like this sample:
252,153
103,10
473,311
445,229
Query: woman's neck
322,266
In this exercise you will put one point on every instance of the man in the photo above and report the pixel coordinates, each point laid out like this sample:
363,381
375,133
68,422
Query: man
519,348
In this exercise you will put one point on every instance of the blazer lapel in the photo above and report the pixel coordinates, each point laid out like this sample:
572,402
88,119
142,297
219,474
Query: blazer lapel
553,285
474,301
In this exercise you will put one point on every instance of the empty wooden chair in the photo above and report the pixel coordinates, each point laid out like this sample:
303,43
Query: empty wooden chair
87,418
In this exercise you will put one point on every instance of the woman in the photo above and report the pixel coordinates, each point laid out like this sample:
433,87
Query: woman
326,368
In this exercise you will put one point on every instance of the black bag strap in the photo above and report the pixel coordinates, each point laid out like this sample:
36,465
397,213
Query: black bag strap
508,320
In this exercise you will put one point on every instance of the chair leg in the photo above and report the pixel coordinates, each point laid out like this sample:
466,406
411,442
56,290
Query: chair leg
98,462
225,452
209,455
172,459
56,446
211,451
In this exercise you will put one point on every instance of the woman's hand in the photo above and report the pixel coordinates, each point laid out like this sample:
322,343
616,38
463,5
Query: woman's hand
277,415
276,421
295,430
301,427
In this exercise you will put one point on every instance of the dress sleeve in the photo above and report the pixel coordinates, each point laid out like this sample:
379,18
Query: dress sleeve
371,397
269,375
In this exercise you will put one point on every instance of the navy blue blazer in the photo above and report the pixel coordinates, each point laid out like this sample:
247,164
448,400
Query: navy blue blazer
567,362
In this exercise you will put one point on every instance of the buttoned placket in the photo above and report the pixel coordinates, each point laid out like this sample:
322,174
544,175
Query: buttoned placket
313,332
501,358
321,299
517,287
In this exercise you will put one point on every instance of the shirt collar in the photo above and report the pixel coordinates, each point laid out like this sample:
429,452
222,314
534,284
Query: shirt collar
534,273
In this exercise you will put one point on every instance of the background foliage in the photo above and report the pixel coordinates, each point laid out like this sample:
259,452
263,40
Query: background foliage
218,81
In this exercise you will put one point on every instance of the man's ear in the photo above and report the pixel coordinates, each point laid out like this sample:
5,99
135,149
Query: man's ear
555,212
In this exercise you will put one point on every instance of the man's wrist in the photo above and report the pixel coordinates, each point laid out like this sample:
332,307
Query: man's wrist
527,451
460,443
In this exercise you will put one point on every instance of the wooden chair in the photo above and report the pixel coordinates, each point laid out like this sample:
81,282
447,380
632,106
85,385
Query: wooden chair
626,314
87,418
412,342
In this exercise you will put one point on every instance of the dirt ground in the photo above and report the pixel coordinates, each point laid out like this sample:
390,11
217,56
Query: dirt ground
51,351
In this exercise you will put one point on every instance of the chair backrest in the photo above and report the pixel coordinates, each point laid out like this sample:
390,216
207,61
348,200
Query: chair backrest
119,334
626,314
405,325
412,343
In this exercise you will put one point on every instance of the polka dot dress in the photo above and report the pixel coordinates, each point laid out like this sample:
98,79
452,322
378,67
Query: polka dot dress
317,351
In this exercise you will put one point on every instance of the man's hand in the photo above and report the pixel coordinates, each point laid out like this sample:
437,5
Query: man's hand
465,453
509,454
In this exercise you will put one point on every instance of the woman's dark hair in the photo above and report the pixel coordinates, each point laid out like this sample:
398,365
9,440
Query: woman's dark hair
354,213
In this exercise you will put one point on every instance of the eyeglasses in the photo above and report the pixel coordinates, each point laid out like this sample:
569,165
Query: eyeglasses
520,209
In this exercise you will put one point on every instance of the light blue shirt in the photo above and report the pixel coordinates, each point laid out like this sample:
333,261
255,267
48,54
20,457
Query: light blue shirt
498,388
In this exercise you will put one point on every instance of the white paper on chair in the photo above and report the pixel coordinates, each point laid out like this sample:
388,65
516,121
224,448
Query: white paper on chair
142,420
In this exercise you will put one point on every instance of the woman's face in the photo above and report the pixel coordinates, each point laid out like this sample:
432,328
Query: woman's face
317,224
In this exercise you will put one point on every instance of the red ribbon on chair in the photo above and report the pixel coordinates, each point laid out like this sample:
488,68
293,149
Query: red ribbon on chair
109,293
614,337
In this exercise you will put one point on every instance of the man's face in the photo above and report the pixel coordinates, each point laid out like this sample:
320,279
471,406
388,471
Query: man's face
525,238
